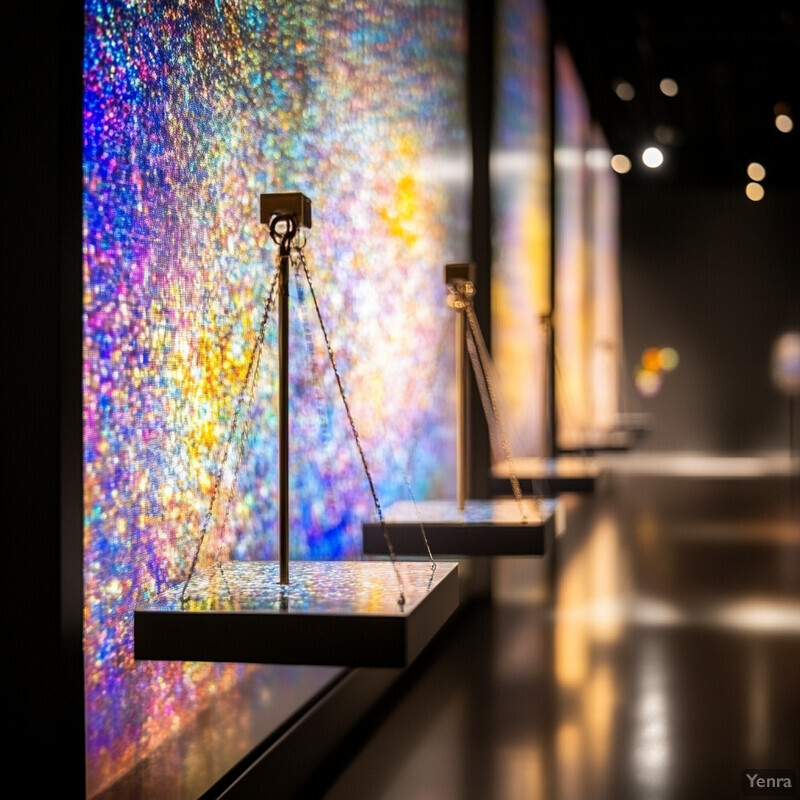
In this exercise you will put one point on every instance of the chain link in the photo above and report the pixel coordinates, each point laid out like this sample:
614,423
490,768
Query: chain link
242,418
460,299
298,253
248,389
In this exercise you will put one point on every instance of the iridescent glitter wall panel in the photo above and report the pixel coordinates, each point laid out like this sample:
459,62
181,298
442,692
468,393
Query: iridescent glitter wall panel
572,313
191,110
606,344
588,323
520,170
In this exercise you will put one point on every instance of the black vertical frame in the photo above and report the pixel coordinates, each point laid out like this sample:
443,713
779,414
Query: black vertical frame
70,245
42,431
480,94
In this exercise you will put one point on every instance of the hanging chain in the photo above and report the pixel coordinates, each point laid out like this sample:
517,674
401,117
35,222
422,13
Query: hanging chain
413,443
246,426
460,299
479,355
248,389
298,253
243,418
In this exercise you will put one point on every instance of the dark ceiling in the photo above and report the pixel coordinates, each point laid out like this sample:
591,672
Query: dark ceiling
732,63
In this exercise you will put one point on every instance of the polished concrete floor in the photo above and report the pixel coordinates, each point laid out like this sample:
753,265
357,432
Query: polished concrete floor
664,663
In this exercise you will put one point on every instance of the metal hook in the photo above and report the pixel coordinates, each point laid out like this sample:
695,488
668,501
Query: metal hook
283,238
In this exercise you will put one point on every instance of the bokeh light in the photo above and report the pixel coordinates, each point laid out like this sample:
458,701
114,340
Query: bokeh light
653,364
668,358
648,383
783,117
651,359
786,363
669,87
620,163
754,191
652,157
624,90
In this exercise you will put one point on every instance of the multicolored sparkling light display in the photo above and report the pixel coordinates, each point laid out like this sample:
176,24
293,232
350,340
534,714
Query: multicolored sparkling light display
192,110
572,322
588,311
521,174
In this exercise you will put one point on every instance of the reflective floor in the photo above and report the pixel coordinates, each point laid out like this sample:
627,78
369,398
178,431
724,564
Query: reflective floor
664,664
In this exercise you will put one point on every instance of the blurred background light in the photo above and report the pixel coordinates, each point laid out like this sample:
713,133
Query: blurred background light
754,191
624,91
620,163
652,157
668,87
786,363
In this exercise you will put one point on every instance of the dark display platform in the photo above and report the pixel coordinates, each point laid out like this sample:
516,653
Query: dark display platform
334,613
547,476
498,527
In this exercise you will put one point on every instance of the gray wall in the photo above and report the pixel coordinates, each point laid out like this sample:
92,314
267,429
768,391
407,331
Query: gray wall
717,277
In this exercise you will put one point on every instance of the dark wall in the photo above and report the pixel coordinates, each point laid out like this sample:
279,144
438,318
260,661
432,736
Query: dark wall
717,277
41,440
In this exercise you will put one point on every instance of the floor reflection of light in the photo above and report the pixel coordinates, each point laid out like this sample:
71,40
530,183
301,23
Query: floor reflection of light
651,752
519,772
594,616
656,613
600,703
590,617
569,754
571,658
756,614
591,608
758,686
608,578
753,615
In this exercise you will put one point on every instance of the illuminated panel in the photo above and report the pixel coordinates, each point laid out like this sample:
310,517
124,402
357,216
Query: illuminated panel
191,111
520,172
572,313
606,344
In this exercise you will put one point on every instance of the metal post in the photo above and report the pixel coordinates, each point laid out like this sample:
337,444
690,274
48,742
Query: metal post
283,415
551,412
284,212
461,279
462,443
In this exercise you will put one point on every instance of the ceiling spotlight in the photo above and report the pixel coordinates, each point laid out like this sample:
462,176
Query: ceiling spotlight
668,87
783,122
652,157
624,90
754,191
620,163
756,171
